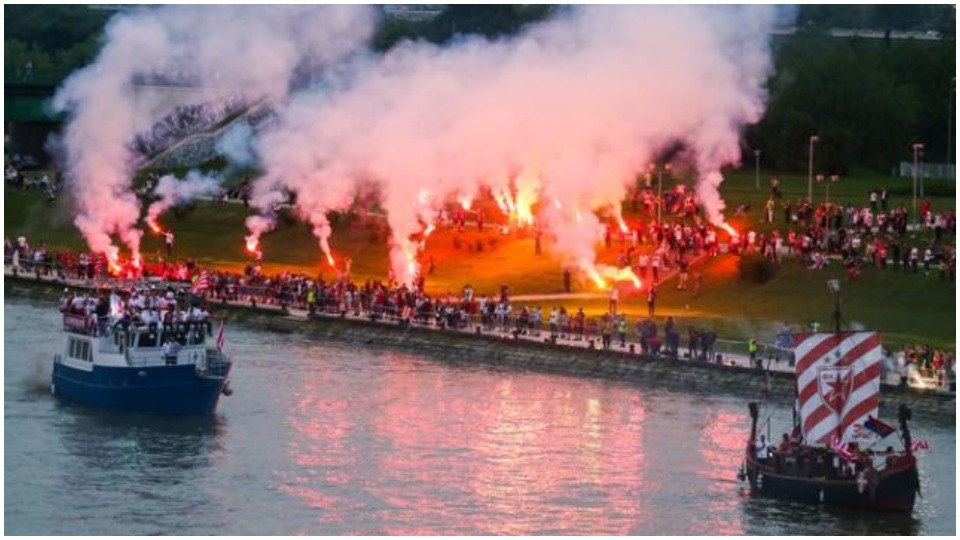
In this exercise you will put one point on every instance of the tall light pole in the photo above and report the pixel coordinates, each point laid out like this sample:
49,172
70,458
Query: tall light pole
660,170
821,179
917,148
757,154
813,139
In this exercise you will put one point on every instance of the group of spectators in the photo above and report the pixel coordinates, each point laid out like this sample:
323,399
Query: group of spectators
875,234
931,363
15,178
184,121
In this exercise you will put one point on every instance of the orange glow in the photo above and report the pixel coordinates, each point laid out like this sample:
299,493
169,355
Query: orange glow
253,245
524,214
330,260
466,202
620,274
430,228
623,226
137,261
576,214
595,276
733,232
113,261
154,227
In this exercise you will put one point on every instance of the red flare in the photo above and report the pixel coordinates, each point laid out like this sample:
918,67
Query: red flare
623,226
253,245
733,232
601,284
330,261
154,227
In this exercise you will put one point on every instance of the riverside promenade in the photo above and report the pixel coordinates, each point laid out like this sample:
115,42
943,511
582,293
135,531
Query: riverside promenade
728,368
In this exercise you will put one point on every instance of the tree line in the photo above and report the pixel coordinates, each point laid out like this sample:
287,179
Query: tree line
868,100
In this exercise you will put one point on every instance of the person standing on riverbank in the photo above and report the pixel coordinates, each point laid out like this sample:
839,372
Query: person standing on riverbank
651,300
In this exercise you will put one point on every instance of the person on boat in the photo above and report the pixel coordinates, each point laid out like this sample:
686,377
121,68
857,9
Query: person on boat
762,450
785,444
890,457
170,351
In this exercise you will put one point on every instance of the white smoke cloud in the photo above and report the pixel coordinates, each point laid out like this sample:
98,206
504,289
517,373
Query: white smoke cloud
219,50
577,106
173,191
236,144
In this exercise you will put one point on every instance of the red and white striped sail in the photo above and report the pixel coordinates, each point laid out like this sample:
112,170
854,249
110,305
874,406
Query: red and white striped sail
838,383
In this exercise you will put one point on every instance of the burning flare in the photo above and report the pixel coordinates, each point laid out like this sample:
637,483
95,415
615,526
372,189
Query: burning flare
733,232
252,244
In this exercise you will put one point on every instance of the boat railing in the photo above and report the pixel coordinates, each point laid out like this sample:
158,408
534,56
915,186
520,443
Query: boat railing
216,364
78,323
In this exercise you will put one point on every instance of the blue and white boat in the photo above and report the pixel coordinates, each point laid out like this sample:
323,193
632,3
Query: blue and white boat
128,368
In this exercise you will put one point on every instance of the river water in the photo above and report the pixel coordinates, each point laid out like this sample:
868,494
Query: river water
322,438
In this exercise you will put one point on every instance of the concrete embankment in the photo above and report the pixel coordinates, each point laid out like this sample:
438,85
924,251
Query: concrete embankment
507,352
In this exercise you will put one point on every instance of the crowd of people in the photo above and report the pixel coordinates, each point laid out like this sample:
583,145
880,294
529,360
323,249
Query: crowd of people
875,234
184,121
650,243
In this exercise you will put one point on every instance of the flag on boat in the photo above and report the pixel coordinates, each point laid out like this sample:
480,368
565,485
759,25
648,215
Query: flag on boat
842,449
919,445
200,284
879,427
220,338
838,383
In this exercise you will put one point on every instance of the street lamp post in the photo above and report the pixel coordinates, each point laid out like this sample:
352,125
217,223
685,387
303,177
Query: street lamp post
660,170
757,154
826,209
917,149
813,139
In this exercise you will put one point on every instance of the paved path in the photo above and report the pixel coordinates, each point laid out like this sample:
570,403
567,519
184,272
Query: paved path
722,346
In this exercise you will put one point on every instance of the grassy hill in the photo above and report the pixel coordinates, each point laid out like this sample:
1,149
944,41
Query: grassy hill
906,307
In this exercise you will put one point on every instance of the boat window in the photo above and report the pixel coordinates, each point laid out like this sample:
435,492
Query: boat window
79,349
148,340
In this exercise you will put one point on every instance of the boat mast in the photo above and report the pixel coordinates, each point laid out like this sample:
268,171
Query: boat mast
904,414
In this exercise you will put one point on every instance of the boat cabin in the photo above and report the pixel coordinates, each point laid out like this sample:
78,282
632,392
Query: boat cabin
126,343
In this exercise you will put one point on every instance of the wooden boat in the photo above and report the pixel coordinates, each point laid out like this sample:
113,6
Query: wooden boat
834,462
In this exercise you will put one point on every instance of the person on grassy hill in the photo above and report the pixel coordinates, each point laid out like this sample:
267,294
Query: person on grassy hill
614,298
651,300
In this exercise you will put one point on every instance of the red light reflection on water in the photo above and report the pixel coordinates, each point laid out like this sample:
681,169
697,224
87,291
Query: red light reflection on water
486,457
721,446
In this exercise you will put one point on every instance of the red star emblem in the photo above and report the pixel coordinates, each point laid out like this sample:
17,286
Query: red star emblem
837,392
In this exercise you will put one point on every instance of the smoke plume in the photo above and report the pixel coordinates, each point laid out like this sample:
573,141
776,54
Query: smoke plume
208,51
570,110
173,191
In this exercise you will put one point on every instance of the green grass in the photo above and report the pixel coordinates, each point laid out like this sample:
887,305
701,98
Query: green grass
906,308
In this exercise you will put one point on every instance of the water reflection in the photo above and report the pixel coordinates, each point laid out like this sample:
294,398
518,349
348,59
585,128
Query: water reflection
332,439
775,517
108,440
533,454
721,445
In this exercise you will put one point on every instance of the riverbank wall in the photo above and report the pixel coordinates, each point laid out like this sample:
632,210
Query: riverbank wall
507,352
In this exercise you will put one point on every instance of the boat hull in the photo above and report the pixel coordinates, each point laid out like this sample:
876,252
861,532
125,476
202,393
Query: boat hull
177,389
892,491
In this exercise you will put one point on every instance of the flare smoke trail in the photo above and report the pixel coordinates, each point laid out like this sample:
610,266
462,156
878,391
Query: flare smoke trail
256,49
571,110
173,191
